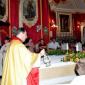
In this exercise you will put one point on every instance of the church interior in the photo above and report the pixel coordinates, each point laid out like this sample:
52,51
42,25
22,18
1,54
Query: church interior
58,26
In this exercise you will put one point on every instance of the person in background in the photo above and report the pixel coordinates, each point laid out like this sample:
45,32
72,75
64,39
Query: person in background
18,60
4,47
53,44
31,45
37,46
42,45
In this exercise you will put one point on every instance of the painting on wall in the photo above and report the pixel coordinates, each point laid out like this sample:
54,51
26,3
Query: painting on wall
2,8
64,23
30,12
29,9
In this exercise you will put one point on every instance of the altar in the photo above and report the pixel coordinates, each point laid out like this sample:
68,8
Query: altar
58,72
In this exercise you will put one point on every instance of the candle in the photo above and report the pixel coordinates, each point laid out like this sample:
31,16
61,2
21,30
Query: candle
67,46
77,49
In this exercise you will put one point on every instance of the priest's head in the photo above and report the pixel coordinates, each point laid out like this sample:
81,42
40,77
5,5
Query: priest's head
20,33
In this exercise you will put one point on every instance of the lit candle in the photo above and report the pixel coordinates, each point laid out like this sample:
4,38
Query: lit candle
67,46
77,49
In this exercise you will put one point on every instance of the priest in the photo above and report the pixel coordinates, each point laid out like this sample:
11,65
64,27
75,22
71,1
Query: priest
18,60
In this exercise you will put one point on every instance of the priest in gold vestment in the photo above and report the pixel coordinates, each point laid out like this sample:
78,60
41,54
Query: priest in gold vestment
18,60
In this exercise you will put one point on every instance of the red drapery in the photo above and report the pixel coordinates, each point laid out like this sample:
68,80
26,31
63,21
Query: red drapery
45,23
45,19
77,19
4,31
14,13
31,31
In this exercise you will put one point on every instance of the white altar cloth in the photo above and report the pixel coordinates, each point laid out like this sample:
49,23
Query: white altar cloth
58,72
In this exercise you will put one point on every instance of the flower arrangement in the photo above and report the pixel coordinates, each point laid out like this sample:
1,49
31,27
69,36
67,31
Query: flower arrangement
75,57
69,56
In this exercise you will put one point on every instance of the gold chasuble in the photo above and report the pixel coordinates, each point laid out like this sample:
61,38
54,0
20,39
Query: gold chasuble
18,63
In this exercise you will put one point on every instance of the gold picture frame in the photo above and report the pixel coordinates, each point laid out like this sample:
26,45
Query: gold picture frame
3,8
64,24
28,13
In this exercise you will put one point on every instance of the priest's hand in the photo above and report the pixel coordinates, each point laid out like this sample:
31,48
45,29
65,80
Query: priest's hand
42,52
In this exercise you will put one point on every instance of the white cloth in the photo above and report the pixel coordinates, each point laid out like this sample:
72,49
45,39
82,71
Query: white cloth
4,49
79,80
2,55
53,45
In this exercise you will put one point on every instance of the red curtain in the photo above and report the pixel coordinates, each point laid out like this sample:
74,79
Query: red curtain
31,31
4,31
14,13
45,22
77,19
45,19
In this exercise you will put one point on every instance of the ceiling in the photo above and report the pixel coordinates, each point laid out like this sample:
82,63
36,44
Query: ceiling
68,5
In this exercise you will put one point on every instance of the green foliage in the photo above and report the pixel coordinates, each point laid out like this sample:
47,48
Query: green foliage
74,56
81,54
69,55
56,52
